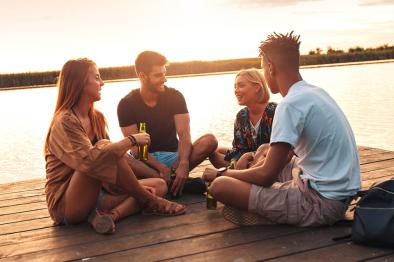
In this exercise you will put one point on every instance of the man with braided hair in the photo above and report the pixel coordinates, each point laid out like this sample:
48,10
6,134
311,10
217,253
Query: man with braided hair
315,187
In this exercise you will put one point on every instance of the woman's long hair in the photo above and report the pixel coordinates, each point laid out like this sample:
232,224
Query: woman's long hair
71,82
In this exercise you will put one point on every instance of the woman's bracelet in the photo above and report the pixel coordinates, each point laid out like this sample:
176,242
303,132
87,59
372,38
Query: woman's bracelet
132,140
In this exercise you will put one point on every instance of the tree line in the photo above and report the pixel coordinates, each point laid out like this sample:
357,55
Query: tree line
314,57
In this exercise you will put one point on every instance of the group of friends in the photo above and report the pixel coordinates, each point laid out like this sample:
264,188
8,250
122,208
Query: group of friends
295,162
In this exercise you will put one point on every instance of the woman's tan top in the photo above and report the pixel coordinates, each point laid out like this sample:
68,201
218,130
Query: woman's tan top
69,151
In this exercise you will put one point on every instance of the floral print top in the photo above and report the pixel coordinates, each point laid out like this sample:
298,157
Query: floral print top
243,132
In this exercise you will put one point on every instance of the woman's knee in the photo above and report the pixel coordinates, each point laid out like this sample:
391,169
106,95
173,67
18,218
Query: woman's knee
158,184
161,187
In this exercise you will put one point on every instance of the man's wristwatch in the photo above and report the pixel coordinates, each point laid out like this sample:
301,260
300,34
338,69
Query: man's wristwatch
221,171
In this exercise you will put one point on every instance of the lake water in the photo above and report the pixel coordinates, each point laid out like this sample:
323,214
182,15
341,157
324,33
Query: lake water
364,92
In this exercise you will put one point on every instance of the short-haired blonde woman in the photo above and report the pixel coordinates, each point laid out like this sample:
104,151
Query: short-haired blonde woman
253,123
81,161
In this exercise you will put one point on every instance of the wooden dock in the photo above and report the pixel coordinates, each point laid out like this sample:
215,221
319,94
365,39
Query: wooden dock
27,233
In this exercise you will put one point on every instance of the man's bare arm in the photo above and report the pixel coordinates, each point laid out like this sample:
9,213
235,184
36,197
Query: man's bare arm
152,162
182,125
263,175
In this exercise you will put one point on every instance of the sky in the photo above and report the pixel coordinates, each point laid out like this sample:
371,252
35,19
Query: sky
40,35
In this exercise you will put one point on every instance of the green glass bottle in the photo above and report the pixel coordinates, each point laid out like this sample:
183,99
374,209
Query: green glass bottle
232,164
211,202
172,178
172,175
143,150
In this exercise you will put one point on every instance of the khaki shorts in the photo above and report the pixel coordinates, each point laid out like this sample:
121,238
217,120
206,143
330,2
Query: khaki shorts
292,201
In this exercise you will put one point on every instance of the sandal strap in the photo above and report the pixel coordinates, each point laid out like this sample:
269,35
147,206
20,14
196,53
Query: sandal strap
160,205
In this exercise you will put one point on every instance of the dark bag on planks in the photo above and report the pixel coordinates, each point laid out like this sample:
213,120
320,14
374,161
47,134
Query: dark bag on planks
373,222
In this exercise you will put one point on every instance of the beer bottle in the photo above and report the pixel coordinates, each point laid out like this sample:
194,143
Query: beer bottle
232,164
172,178
143,150
211,202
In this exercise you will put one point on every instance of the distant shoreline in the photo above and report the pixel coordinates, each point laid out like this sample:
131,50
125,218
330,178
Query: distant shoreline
211,73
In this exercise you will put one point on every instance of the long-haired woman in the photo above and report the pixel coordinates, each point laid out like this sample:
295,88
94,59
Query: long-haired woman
88,177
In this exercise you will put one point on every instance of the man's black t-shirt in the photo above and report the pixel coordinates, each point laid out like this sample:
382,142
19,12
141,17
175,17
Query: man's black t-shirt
159,119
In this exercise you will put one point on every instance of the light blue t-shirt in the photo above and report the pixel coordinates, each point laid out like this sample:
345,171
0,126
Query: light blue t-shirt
312,122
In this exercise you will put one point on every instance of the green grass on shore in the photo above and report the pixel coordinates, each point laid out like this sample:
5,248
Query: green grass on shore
202,67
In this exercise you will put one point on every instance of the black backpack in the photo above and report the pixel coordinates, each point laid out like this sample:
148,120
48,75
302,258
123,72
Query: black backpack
373,222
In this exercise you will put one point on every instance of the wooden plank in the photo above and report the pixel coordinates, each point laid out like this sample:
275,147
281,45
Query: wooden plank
23,194
384,172
22,208
26,225
388,258
376,165
344,252
12,230
26,231
362,148
371,151
23,216
22,186
154,245
22,201
243,244
139,231
308,245
376,157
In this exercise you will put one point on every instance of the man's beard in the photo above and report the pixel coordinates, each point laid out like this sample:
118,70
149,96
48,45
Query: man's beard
153,88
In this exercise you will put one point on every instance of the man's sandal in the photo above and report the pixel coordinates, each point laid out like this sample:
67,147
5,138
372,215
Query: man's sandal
162,207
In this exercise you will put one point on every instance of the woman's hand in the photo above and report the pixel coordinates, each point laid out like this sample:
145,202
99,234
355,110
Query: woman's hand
260,155
142,139
245,160
210,173
150,189
262,151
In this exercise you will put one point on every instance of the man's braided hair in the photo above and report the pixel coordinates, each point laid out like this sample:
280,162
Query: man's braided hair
282,49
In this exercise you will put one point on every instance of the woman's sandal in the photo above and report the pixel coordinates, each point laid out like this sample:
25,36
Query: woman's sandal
101,222
162,207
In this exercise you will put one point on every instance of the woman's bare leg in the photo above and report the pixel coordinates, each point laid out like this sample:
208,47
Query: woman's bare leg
77,208
141,170
123,205
217,157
